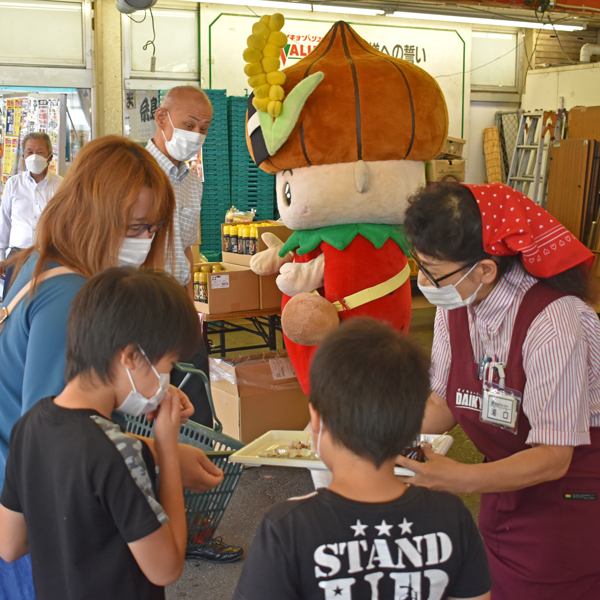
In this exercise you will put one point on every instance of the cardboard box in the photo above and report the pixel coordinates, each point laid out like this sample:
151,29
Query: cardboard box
234,290
278,229
584,123
453,147
269,294
445,170
257,393
196,253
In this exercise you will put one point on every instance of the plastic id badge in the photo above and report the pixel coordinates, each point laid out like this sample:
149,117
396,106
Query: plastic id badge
500,407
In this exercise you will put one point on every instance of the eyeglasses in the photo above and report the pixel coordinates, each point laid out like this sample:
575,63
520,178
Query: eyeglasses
436,282
140,228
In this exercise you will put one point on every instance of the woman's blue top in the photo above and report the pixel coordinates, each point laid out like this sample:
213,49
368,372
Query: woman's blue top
32,347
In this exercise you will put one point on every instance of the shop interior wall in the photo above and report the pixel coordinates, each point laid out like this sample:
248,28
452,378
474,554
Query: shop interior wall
481,115
579,85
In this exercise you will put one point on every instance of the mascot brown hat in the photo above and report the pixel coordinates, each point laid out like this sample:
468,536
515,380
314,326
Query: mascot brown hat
370,106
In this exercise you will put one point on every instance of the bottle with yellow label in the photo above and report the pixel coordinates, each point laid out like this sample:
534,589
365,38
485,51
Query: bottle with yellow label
203,287
205,269
233,236
226,239
240,239
249,242
217,268
253,240
243,240
196,287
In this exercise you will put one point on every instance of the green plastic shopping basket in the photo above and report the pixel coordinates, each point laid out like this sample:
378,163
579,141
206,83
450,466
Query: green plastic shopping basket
203,511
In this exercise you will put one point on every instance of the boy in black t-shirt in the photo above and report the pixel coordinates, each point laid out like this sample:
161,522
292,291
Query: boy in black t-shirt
79,493
368,535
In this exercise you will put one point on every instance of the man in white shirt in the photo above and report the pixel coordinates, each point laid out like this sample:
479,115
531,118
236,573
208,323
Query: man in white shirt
25,197
182,123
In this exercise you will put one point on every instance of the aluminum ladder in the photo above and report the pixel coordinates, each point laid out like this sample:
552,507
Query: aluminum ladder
529,166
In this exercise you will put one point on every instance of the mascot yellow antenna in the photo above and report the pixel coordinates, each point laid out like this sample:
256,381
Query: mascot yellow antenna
262,56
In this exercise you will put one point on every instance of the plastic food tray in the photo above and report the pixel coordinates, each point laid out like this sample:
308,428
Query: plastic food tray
248,455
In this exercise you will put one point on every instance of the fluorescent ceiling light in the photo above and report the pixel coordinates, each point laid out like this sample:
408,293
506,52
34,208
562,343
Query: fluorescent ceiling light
52,7
189,13
261,4
346,10
495,36
479,21
298,6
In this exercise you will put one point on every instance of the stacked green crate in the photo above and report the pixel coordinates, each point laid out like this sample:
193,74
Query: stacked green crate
250,186
216,196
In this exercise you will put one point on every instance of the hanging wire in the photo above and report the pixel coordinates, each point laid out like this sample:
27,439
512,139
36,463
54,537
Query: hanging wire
532,52
550,22
130,17
485,65
554,29
561,46
530,68
151,42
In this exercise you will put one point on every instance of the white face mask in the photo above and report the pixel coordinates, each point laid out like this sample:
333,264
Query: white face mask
134,251
36,164
317,451
137,404
184,144
448,297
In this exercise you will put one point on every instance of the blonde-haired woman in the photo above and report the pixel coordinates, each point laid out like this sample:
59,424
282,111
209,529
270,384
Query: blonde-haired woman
114,207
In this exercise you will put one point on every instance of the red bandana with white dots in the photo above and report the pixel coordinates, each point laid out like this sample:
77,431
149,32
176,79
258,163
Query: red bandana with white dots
514,224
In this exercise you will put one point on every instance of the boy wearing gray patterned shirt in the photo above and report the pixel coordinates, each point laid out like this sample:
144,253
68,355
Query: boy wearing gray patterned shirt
79,493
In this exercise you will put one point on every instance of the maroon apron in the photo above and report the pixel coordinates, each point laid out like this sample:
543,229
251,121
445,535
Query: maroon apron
543,542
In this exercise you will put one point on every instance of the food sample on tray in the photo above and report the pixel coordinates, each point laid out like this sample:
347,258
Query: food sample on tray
299,444
283,448
295,449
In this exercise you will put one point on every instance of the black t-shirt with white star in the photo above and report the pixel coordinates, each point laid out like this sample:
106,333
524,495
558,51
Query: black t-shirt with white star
421,546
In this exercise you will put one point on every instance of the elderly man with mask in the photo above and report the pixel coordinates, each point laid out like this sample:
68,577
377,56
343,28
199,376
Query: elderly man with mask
25,197
182,122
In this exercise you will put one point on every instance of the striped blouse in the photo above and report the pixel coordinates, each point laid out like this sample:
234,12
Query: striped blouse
561,358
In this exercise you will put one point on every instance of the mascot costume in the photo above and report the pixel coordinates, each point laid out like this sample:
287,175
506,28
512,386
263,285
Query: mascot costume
346,130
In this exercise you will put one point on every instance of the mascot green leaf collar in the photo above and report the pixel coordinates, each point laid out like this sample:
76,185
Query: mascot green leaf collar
341,236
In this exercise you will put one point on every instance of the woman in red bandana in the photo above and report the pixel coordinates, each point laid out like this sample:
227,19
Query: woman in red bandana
516,362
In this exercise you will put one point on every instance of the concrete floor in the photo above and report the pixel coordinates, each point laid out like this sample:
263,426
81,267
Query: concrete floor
262,487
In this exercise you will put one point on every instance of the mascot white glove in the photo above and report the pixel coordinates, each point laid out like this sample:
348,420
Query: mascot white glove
268,262
296,278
